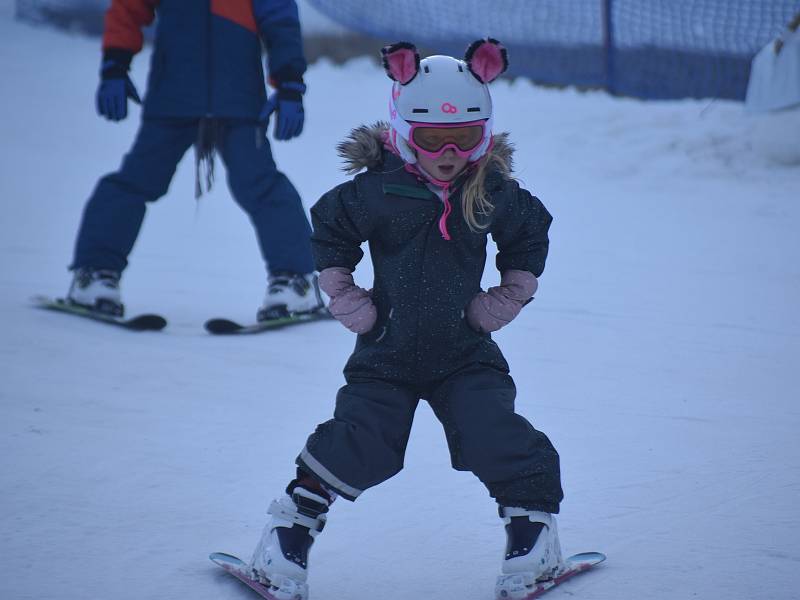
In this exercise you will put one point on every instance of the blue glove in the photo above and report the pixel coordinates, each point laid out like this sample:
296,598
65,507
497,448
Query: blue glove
288,102
115,85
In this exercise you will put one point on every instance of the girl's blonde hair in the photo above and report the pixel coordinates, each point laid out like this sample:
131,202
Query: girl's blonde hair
475,203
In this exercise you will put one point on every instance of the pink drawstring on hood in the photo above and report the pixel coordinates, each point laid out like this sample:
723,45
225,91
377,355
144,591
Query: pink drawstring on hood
447,210
445,185
419,173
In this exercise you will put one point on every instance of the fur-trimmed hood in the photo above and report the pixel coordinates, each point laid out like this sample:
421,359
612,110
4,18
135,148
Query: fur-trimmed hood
364,148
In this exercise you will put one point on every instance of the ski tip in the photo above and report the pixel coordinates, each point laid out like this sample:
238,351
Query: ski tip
147,323
222,326
591,558
223,558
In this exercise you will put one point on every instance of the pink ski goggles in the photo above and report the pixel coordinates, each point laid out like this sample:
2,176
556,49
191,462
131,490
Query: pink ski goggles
434,139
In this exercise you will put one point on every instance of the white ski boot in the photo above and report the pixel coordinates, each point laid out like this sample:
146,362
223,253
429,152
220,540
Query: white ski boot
281,558
290,294
97,289
533,552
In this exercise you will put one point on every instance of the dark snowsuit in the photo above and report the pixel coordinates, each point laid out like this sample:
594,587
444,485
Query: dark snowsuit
206,64
421,346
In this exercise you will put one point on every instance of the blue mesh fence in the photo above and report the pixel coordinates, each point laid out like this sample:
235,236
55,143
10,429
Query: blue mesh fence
646,48
75,15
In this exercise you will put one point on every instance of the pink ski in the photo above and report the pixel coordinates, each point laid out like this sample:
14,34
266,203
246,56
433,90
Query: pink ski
576,564
238,568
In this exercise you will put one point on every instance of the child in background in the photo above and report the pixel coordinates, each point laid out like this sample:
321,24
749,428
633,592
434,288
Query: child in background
206,89
437,182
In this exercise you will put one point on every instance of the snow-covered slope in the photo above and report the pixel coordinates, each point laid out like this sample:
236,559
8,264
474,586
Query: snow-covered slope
661,356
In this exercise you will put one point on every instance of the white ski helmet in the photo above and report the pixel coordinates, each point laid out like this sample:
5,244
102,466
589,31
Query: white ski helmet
442,90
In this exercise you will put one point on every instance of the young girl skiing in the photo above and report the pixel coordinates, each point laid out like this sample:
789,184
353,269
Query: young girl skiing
437,182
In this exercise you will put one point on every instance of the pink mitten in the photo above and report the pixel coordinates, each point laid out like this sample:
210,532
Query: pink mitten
350,305
496,307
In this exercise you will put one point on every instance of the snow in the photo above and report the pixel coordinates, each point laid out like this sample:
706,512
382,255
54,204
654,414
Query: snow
660,356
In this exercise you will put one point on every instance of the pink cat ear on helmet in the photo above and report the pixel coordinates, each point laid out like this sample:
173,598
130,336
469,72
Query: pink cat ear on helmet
401,61
487,59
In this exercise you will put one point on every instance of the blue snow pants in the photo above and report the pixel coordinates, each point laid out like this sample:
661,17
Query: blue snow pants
113,215
365,442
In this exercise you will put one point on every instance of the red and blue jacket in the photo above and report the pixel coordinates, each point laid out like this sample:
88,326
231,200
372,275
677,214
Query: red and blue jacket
207,55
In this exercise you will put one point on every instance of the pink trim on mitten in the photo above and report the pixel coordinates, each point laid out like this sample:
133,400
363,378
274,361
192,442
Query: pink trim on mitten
350,305
334,280
498,306
522,285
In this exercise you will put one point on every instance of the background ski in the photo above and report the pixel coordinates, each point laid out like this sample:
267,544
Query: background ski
576,564
227,327
145,322
238,568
